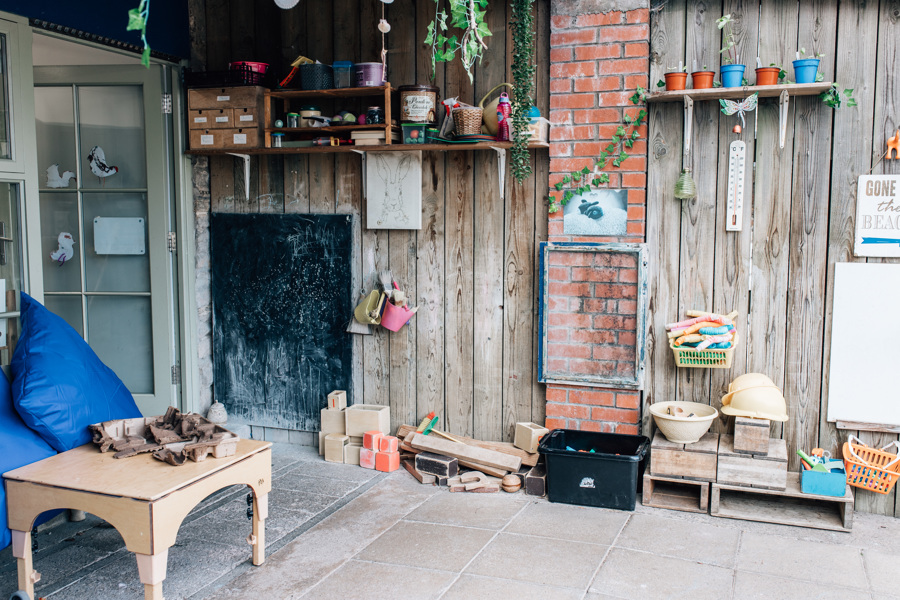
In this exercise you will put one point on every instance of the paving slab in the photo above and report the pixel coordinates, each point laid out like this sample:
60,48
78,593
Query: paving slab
632,574
427,545
568,522
487,511
311,502
359,580
546,561
468,587
296,480
755,586
329,470
882,569
789,558
229,524
701,542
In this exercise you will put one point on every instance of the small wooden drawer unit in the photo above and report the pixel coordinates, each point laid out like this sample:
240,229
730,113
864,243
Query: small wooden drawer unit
225,139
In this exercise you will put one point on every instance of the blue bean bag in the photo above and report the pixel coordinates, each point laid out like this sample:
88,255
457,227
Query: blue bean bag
19,446
59,385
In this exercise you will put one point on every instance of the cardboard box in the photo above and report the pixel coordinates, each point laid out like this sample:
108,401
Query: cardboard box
528,436
368,417
334,447
333,421
211,118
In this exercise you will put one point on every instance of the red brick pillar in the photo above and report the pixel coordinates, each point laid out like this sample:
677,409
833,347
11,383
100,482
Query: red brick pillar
599,55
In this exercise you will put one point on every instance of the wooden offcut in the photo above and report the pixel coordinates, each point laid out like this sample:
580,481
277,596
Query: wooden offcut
436,464
528,436
482,456
536,481
421,477
767,471
695,461
751,436
675,493
528,458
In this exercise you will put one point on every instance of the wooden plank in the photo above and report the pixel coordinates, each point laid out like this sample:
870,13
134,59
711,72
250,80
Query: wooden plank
858,426
688,461
423,478
748,50
528,459
808,245
447,147
491,458
198,33
296,183
768,471
271,179
665,135
675,494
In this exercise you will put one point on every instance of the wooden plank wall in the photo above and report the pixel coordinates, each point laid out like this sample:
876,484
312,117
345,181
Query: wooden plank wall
469,352
778,272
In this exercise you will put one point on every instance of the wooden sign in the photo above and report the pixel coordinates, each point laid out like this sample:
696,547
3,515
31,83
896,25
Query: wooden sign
878,216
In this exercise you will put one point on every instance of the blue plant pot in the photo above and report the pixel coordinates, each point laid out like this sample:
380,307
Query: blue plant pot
732,75
805,70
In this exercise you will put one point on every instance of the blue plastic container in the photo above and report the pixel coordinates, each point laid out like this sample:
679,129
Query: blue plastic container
732,75
833,483
805,70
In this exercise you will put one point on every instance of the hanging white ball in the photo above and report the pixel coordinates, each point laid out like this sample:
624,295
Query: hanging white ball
286,4
384,26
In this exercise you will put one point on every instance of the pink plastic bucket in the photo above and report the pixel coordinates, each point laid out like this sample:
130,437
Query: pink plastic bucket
395,317
370,74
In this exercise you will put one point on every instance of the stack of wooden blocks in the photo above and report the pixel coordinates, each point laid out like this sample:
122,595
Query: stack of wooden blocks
380,452
342,427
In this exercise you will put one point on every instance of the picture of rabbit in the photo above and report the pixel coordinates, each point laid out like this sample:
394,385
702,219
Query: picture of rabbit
394,190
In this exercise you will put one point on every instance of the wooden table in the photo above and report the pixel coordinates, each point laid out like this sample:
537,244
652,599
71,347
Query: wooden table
144,499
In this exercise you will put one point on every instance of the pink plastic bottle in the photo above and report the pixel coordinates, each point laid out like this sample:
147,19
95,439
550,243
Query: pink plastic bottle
504,108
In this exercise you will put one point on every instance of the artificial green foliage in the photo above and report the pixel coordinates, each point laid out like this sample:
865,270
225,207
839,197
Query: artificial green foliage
137,21
522,23
615,153
467,16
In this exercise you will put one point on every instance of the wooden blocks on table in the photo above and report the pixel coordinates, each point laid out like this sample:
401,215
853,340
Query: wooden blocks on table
751,436
337,400
528,436
334,447
367,417
767,471
437,465
675,493
697,461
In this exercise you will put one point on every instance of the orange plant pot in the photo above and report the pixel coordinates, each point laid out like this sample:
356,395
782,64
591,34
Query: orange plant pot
767,75
675,81
703,80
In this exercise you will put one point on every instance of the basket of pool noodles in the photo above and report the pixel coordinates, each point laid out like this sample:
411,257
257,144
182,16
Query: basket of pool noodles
704,340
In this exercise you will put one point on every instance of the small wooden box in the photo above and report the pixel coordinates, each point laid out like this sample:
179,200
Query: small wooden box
751,436
337,400
333,421
211,118
322,435
767,471
697,461
528,436
247,117
334,447
351,453
368,417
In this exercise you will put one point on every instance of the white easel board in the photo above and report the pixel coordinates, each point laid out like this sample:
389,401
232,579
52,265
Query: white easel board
865,344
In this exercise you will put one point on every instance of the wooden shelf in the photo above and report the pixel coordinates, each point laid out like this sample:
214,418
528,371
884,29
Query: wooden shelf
329,129
764,91
381,148
336,93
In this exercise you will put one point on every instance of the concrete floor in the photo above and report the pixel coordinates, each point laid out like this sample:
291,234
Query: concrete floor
339,531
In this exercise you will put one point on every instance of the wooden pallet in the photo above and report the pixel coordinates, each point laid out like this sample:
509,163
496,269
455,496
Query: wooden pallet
785,507
675,494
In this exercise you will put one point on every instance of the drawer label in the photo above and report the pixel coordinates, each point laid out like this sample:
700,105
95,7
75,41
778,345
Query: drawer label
221,119
246,117
240,138
199,119
223,98
206,140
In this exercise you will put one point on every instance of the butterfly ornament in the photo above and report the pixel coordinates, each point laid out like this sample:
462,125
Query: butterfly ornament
730,107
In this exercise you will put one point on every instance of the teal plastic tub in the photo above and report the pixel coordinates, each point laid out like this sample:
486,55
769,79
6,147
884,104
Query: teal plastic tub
833,483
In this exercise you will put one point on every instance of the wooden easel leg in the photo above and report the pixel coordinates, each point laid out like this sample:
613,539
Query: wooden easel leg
152,569
258,536
21,549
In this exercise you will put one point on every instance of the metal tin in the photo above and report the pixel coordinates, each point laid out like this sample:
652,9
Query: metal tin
374,115
418,104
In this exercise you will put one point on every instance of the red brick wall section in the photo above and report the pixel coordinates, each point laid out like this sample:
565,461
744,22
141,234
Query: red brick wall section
597,63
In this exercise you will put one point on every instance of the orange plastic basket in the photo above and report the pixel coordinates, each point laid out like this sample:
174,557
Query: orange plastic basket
871,469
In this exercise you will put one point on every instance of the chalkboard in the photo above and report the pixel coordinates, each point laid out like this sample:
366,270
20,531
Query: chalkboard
281,302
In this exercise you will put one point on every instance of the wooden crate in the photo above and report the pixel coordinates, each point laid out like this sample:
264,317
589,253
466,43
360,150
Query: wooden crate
767,471
751,436
785,507
675,494
695,461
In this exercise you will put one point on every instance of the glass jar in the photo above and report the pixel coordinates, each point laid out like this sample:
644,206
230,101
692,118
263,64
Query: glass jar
277,140
293,120
375,115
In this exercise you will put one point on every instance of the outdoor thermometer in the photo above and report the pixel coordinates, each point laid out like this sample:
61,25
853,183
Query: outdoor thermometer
736,170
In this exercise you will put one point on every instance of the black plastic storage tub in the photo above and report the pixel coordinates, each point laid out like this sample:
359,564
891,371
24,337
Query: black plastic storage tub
607,477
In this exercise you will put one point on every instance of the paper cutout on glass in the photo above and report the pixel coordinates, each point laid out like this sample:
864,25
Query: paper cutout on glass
66,249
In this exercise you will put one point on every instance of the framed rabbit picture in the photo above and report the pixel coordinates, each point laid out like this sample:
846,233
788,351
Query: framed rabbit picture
394,190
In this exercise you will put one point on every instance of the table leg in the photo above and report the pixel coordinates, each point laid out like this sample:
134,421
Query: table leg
21,549
258,536
152,569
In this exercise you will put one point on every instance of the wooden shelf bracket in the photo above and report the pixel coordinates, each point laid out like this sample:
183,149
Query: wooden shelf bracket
783,101
246,158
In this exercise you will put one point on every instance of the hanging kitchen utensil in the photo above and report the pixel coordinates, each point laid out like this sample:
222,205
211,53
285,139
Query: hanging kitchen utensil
734,211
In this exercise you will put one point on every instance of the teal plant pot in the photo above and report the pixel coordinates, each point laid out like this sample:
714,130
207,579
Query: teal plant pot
805,70
732,75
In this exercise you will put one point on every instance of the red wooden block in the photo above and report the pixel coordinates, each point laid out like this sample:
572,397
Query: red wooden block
388,443
370,439
367,458
387,461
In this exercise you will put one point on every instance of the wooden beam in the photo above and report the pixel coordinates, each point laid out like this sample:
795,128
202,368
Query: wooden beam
491,458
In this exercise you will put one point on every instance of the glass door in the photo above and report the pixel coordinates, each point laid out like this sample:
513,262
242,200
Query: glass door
11,272
104,214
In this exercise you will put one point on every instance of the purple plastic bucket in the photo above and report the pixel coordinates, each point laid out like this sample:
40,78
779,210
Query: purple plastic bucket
369,74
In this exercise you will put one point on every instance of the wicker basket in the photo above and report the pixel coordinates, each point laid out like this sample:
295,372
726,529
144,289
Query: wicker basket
870,469
703,359
683,430
467,120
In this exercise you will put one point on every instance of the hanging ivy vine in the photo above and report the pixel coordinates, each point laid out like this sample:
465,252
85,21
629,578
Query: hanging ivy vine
522,23
137,21
468,16
580,182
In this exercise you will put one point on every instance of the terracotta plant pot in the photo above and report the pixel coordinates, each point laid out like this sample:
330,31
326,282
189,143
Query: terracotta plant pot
703,79
675,81
767,75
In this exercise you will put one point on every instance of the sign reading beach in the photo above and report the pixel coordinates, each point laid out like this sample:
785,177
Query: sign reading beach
878,216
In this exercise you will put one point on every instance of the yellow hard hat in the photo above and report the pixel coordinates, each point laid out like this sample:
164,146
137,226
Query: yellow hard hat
762,402
750,380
